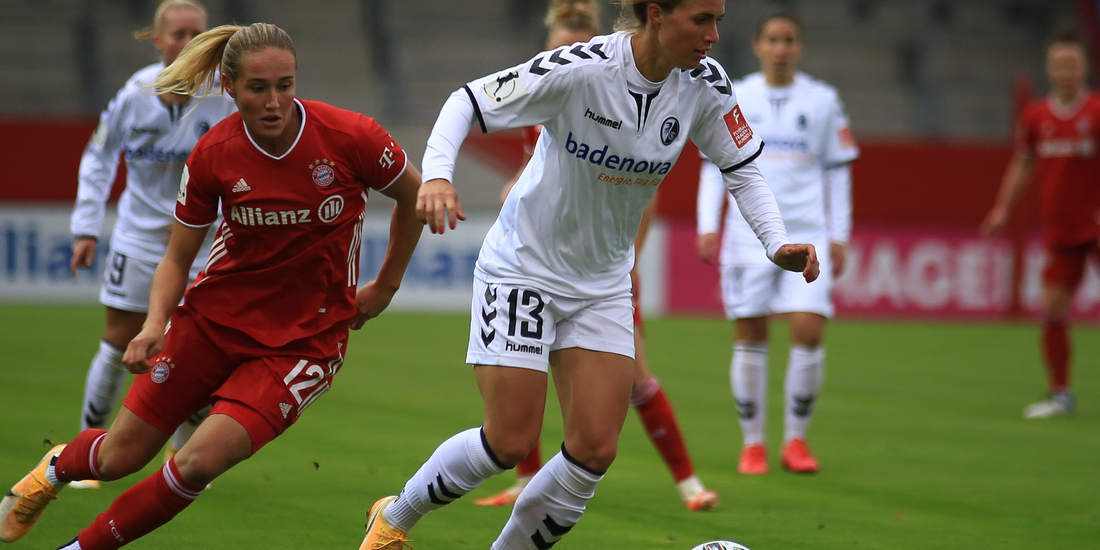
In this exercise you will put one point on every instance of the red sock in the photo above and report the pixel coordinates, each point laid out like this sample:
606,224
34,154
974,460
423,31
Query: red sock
530,465
1056,353
78,461
660,423
151,503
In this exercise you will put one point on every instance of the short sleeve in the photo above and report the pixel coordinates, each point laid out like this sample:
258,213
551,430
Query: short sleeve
381,158
531,93
197,200
720,129
840,144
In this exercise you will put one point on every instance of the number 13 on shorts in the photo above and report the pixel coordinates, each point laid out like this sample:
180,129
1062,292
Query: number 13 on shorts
510,326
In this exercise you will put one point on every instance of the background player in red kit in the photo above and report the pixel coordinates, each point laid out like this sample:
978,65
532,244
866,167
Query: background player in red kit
570,21
264,328
1056,141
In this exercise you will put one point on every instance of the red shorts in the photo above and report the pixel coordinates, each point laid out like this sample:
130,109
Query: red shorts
264,389
1066,266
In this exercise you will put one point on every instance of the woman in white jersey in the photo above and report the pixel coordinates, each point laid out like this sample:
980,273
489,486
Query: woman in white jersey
552,281
155,134
569,22
806,163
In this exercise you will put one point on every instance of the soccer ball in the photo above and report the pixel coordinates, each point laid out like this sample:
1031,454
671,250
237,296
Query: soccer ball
720,545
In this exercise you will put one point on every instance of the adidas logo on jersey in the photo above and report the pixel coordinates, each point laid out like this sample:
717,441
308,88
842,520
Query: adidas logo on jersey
241,186
284,408
601,157
246,215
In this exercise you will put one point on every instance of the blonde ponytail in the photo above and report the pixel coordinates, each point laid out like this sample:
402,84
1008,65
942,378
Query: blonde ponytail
194,71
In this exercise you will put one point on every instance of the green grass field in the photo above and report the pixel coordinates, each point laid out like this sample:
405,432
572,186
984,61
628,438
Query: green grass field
919,433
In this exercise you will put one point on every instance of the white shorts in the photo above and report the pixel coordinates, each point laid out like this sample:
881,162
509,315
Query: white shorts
759,290
519,327
126,283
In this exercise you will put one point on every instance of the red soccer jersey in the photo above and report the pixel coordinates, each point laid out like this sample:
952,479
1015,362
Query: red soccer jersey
1063,141
285,262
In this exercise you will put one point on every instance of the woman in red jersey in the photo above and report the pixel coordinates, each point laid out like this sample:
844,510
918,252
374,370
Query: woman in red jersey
571,21
264,328
1057,142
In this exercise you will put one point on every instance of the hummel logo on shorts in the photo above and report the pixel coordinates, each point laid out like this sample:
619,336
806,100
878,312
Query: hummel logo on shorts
241,186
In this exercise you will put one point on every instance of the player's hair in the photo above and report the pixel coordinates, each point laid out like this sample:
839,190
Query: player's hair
160,18
1069,33
777,10
574,15
222,48
633,12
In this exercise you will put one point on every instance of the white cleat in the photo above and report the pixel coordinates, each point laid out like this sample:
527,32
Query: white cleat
1059,404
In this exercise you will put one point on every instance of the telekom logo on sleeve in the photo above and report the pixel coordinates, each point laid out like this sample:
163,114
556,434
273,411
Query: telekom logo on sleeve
738,127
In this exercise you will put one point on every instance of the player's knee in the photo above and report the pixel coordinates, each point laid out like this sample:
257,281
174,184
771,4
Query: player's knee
118,465
594,454
514,447
201,468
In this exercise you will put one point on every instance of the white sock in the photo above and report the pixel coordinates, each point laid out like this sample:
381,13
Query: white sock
749,378
187,429
690,487
51,472
805,374
102,387
550,505
456,467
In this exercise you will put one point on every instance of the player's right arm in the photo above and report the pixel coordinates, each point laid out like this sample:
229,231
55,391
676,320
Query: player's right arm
524,95
98,166
1015,181
196,209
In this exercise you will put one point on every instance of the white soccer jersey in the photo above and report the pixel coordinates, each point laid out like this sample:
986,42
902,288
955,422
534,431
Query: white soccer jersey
609,139
806,133
155,140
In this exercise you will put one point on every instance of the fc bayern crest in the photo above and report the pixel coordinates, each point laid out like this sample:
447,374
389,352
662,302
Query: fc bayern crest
670,128
323,172
161,370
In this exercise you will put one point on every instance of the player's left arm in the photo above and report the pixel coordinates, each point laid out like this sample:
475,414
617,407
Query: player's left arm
839,152
405,230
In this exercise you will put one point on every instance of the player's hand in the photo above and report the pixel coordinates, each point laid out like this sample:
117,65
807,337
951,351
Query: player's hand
994,222
799,257
838,255
370,301
437,203
83,254
142,348
707,246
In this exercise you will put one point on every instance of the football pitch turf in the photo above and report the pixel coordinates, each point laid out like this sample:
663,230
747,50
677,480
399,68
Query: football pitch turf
919,433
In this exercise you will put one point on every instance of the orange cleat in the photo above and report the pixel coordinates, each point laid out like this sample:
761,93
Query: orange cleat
380,535
21,507
754,460
506,497
702,502
798,459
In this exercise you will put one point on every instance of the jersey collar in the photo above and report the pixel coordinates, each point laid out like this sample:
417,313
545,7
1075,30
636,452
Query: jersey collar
301,129
1066,112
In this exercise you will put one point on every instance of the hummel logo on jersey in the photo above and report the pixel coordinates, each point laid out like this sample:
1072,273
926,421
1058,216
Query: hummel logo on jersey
614,124
556,531
285,408
246,215
241,186
601,157
444,492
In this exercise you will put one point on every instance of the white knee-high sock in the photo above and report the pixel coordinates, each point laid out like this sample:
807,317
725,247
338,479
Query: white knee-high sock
102,387
805,374
550,505
749,378
456,467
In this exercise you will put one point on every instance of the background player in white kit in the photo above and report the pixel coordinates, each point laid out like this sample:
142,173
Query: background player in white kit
806,163
552,280
156,134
